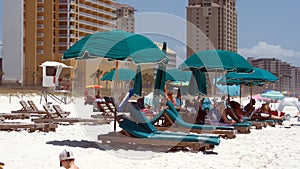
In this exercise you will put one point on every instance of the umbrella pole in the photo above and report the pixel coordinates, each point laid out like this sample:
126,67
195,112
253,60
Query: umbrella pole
240,95
251,90
215,86
116,86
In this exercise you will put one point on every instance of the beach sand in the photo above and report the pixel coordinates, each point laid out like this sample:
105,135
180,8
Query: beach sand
271,147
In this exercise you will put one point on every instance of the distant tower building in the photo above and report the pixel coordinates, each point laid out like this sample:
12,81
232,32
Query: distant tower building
171,55
125,18
212,24
289,76
44,29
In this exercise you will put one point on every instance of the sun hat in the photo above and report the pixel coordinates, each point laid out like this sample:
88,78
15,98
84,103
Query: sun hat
66,155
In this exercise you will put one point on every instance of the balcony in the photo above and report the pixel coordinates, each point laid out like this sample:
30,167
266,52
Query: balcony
40,18
40,43
40,35
40,9
95,17
40,51
97,10
63,1
40,26
102,4
63,43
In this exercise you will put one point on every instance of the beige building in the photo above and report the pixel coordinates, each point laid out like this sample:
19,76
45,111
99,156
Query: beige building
289,76
125,18
212,24
50,27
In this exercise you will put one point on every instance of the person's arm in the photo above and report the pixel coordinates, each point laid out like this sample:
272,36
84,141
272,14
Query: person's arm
225,119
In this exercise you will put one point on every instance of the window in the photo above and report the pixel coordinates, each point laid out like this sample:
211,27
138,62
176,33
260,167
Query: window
50,71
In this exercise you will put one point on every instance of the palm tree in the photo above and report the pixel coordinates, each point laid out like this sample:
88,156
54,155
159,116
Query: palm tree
1,74
96,75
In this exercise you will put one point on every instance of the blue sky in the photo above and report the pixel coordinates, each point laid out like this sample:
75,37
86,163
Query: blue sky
266,28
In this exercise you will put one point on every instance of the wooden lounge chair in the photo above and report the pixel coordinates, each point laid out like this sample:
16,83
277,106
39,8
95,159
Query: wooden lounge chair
110,104
105,109
34,107
174,122
136,133
27,109
51,113
60,111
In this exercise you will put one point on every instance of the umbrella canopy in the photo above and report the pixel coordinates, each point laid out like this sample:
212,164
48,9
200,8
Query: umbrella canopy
123,74
276,95
160,79
93,86
116,45
258,76
178,75
216,60
232,90
258,97
137,88
197,83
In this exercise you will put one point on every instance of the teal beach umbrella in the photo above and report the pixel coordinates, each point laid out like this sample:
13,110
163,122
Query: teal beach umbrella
123,74
215,60
116,45
208,60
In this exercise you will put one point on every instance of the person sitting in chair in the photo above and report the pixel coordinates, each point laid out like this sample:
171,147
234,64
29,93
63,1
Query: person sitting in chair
204,109
249,108
234,111
264,113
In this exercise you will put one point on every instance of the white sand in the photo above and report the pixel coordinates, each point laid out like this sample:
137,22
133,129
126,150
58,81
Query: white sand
271,147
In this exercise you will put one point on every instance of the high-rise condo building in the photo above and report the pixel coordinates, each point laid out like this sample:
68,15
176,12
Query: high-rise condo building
212,24
125,18
44,29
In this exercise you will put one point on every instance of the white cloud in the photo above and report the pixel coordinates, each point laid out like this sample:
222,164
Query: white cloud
265,50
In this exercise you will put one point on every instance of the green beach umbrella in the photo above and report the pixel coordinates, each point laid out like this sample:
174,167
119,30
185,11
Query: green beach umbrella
276,95
137,88
119,46
258,76
178,75
116,45
197,84
160,79
123,74
215,60
208,60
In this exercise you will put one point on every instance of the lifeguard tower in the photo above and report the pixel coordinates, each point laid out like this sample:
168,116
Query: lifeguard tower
51,74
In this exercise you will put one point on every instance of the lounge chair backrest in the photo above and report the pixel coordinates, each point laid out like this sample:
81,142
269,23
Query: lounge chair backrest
25,106
50,112
59,111
103,107
140,118
32,105
173,109
174,115
128,124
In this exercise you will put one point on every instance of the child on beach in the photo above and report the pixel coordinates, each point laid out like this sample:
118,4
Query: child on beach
66,159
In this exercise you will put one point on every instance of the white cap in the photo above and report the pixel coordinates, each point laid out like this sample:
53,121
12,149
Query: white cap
66,155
